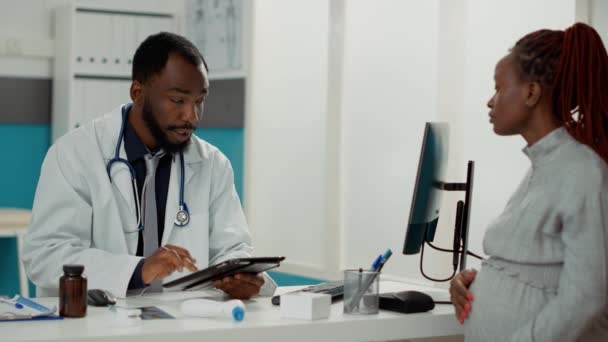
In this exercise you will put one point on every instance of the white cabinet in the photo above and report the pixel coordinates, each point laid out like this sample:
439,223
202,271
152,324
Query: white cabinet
93,55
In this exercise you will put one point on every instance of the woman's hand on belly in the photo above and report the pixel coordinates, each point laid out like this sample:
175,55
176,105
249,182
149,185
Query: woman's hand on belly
459,294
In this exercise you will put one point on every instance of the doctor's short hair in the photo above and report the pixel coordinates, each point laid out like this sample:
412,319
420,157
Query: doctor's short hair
153,53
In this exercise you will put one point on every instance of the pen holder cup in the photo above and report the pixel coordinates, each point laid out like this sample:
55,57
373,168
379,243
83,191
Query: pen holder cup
361,290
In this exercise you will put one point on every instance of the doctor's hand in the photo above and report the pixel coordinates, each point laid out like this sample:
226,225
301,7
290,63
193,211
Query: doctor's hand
241,285
460,295
164,261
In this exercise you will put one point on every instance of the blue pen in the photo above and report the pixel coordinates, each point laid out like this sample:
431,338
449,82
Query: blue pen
385,257
376,267
376,263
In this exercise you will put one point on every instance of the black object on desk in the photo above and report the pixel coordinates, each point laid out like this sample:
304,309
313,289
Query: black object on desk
406,302
97,297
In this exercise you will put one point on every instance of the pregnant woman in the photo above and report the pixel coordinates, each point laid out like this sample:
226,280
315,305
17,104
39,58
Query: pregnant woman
546,275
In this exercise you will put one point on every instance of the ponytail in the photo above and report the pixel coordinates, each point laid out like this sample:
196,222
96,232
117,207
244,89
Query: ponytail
580,90
573,64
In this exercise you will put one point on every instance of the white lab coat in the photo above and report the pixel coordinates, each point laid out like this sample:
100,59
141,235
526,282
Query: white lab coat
79,217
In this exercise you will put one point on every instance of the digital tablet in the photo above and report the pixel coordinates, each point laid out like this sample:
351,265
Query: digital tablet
204,278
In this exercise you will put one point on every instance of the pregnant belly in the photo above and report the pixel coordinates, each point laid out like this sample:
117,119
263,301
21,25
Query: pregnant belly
502,304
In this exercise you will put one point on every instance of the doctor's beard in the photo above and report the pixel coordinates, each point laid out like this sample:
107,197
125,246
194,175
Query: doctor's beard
159,135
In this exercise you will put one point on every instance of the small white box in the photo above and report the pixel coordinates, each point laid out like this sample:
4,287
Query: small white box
305,305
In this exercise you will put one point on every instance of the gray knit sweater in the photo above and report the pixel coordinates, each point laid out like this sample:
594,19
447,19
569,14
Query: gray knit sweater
553,236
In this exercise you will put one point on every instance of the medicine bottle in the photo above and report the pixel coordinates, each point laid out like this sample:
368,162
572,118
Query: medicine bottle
73,292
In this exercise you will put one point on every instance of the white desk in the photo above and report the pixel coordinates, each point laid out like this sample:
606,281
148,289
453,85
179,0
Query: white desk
262,323
14,223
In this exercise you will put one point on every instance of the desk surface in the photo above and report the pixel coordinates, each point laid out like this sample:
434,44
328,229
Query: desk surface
262,322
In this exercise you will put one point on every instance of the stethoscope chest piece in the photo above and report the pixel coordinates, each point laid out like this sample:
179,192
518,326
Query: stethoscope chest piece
182,218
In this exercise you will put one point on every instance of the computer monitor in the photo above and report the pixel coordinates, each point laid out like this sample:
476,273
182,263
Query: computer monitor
426,199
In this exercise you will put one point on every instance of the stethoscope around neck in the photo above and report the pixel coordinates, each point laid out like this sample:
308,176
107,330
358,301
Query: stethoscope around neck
183,214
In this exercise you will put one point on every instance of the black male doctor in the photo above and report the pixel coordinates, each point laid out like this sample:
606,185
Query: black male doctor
134,196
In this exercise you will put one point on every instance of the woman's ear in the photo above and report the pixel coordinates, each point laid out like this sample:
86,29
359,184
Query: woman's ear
534,92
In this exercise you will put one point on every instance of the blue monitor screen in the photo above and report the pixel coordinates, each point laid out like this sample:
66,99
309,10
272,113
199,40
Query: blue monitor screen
426,200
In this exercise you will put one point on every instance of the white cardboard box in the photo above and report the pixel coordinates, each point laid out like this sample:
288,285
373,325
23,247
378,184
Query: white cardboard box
305,305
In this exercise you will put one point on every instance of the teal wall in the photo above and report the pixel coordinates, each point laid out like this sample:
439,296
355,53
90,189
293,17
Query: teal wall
231,142
23,149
